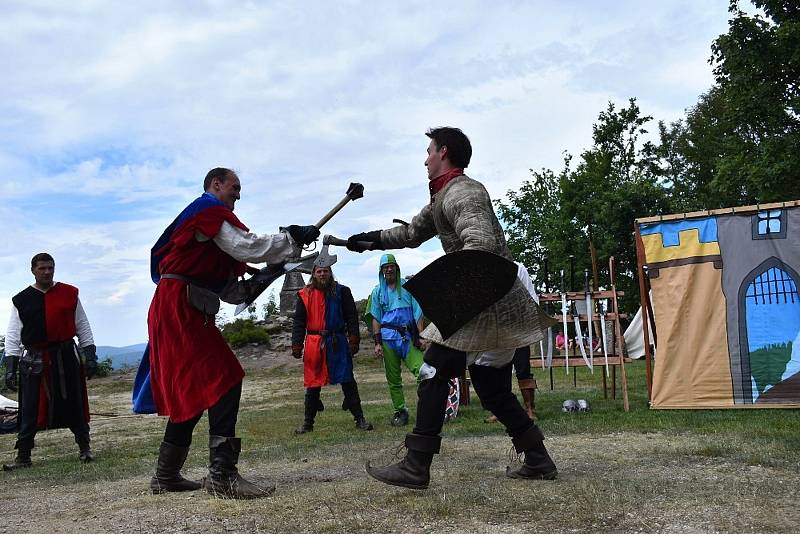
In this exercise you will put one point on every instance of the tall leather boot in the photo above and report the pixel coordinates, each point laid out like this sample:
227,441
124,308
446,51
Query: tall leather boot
537,465
223,478
22,460
312,405
352,401
413,471
85,454
527,386
168,470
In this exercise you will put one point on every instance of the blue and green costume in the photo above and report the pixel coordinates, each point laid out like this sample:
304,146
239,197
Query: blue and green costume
397,312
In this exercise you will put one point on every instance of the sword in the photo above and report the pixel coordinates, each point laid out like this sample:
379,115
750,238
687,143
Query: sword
541,341
565,348
589,315
603,329
548,310
579,335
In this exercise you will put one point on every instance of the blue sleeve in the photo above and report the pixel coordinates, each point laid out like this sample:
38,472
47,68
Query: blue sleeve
415,309
375,308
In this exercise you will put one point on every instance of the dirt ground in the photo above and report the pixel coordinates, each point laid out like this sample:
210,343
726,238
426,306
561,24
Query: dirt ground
616,482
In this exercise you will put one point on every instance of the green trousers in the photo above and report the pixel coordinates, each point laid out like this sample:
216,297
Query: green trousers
391,364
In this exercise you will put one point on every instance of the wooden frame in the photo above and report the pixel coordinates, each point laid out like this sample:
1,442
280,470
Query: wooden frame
616,357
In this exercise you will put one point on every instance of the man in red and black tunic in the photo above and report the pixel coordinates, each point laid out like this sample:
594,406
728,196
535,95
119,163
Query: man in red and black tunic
45,318
188,367
326,322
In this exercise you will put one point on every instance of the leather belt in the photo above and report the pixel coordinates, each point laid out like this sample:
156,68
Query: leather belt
324,332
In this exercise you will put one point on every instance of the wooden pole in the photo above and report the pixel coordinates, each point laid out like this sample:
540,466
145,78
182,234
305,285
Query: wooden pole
644,299
618,332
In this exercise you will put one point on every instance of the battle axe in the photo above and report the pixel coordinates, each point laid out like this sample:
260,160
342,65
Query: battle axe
270,273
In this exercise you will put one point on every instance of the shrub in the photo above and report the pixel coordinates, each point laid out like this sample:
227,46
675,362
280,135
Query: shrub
104,368
243,331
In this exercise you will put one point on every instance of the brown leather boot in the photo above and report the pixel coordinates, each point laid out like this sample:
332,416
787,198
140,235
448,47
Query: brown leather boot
528,389
168,470
223,478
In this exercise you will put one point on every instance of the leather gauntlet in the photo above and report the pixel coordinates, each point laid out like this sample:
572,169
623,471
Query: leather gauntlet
297,350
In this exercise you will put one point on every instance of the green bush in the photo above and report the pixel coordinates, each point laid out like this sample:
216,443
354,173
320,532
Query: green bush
104,368
243,331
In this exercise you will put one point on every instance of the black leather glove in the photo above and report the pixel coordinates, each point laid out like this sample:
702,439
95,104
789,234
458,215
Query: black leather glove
11,372
303,235
373,237
297,351
90,360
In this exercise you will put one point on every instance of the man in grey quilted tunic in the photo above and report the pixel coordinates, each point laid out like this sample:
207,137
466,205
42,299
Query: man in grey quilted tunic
460,213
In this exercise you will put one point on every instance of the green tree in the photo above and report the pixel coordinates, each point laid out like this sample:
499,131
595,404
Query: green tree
271,307
740,143
592,206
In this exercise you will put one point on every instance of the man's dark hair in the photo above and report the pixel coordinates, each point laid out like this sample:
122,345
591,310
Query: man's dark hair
42,256
459,149
217,173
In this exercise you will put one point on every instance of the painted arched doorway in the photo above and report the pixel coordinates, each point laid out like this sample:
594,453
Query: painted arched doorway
770,347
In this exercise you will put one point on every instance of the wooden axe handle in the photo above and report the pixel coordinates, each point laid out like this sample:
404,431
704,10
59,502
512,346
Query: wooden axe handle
327,217
354,192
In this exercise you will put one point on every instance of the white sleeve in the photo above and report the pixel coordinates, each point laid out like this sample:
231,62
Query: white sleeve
249,247
13,333
82,328
525,278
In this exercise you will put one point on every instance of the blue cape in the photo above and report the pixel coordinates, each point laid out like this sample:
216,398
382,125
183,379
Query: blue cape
142,393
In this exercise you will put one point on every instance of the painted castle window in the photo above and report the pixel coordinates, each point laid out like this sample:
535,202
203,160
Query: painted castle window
773,325
769,224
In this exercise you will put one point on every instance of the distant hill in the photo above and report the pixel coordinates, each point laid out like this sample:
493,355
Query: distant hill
122,356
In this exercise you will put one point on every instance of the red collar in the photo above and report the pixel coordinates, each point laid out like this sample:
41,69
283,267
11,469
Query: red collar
440,181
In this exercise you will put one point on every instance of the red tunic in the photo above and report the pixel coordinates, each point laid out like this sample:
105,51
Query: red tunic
48,327
191,365
315,368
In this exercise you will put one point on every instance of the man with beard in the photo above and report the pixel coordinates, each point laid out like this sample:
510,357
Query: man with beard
188,367
397,322
326,324
460,213
45,318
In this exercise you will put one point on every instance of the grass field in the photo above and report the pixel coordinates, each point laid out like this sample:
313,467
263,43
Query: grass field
649,471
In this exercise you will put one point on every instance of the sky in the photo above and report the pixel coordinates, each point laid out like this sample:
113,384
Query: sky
112,113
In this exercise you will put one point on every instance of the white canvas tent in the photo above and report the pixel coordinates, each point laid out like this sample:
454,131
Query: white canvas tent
634,338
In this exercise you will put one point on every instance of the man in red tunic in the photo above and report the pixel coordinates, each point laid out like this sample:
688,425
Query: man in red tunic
45,318
326,322
198,259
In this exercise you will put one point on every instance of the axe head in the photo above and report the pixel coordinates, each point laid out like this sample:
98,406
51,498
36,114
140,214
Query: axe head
355,191
325,259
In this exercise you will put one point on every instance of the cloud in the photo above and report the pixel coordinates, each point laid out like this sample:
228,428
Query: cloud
117,111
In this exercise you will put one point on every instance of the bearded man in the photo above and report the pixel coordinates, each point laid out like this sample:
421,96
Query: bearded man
325,334
45,318
461,214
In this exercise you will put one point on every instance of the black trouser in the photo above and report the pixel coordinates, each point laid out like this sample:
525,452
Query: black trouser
71,414
522,363
493,386
352,400
221,420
